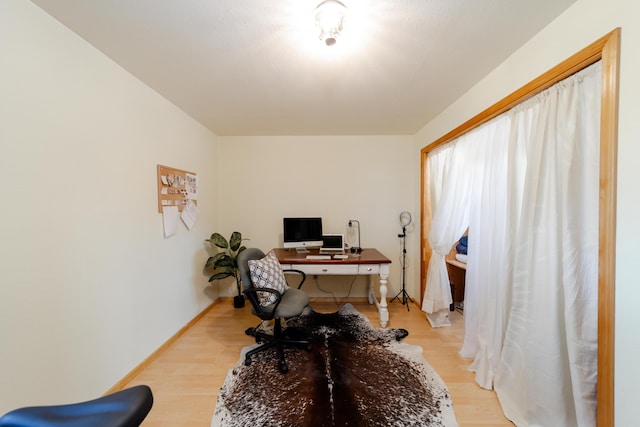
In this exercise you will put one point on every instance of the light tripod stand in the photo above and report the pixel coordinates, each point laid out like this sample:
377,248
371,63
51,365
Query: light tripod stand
403,296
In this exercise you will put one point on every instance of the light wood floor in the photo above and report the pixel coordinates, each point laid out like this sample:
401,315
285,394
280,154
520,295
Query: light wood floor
187,376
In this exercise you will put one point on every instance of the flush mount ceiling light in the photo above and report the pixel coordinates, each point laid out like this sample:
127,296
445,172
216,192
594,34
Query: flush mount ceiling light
329,18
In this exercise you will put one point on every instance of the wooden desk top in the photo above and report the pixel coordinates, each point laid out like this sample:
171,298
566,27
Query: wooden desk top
367,256
457,263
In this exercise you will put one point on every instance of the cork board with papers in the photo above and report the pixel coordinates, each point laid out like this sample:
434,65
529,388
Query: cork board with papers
176,187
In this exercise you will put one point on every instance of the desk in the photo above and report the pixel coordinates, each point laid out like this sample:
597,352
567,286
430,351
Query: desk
370,262
457,275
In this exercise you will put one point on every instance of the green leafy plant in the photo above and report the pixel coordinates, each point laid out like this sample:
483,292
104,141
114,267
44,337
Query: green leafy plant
225,263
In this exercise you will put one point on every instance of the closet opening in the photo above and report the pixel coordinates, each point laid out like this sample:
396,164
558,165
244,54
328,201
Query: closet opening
606,50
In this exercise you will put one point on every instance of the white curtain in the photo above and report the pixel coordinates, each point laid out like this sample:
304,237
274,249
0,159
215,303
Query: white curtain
548,367
531,285
450,167
486,261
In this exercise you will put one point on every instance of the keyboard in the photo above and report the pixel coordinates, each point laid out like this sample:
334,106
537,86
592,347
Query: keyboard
318,257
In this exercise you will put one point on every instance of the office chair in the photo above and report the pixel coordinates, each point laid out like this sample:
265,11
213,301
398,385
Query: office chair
125,408
271,304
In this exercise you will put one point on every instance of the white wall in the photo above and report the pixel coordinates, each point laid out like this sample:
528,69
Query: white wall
582,24
88,285
368,178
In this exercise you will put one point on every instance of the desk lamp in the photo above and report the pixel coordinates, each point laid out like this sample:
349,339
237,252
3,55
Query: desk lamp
355,249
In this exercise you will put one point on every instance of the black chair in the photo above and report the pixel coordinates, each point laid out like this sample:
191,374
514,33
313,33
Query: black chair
125,408
287,305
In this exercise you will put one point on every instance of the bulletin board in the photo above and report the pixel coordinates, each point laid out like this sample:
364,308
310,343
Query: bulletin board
176,187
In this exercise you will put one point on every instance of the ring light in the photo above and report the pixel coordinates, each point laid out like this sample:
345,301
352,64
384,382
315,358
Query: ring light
405,218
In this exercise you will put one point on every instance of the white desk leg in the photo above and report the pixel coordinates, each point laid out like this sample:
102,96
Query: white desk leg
383,311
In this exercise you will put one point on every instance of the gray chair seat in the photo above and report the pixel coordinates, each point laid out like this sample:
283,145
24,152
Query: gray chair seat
289,305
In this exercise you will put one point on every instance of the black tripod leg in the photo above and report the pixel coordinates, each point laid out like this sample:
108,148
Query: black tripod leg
407,299
396,297
405,296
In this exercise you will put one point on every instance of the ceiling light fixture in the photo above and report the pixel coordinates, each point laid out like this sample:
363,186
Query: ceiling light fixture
329,18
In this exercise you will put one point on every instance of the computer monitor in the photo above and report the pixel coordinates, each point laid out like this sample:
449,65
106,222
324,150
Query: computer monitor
301,233
332,244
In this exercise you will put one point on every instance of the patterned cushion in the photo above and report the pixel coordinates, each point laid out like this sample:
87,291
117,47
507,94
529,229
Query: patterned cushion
267,273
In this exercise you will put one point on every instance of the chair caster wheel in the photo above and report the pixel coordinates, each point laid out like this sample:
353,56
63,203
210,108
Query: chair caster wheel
247,361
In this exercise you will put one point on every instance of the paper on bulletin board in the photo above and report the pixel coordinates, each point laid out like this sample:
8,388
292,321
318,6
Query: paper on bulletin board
170,220
191,185
189,214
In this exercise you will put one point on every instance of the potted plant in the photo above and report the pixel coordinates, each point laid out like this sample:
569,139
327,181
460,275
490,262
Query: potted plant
225,263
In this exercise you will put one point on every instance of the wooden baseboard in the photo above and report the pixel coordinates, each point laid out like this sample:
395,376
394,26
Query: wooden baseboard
135,371
414,303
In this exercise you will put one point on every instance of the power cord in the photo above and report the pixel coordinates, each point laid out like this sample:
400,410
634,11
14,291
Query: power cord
333,295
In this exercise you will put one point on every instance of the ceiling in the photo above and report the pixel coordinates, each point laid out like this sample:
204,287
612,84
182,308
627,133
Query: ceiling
257,67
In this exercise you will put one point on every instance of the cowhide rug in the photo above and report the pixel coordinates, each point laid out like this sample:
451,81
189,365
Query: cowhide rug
354,375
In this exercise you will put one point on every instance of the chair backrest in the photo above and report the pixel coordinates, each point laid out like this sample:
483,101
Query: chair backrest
245,274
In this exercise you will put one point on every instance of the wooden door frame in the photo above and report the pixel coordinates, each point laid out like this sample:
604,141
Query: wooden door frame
607,50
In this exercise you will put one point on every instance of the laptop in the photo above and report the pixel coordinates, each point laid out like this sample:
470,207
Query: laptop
332,244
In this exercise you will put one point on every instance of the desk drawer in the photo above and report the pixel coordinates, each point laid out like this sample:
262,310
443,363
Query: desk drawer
327,269
369,269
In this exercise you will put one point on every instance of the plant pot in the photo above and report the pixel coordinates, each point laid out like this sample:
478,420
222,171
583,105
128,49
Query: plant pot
238,301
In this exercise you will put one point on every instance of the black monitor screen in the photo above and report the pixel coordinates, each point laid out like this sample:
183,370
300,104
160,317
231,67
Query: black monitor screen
302,231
